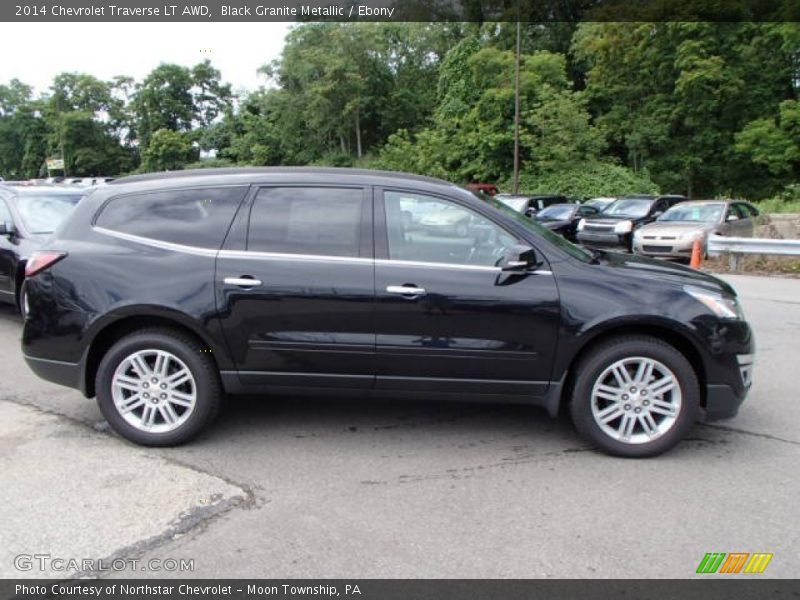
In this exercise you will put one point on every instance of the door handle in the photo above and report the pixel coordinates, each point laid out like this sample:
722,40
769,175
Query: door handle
406,290
244,282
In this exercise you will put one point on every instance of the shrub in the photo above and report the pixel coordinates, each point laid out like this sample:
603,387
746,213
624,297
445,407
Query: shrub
587,181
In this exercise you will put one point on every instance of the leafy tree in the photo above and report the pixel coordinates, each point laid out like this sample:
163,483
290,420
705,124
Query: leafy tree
774,142
168,150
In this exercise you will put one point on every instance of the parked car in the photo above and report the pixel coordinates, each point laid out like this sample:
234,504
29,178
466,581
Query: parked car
613,227
529,205
445,220
483,189
27,216
563,218
163,292
673,234
600,202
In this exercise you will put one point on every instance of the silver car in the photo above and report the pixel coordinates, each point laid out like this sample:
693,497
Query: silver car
673,234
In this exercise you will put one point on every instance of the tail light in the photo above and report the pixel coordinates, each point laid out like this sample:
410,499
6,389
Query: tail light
41,260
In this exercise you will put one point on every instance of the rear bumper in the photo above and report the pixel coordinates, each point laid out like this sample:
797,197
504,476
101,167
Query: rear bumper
56,371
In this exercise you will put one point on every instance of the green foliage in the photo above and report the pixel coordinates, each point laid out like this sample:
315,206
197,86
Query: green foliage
695,107
168,151
210,163
774,142
672,96
587,180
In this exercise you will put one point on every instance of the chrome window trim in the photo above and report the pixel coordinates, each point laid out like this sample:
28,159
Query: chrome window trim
254,255
146,241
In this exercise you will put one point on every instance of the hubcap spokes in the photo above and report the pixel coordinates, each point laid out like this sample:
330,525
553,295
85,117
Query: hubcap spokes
636,400
154,391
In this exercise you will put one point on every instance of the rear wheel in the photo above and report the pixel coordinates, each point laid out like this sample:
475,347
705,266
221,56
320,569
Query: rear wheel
635,396
157,387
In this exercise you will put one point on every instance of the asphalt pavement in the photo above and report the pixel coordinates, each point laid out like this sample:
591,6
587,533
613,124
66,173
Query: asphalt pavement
309,487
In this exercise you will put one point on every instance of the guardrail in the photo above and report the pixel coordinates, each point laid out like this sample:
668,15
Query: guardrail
737,247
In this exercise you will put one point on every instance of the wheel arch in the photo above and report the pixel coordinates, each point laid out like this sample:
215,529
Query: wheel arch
107,334
677,338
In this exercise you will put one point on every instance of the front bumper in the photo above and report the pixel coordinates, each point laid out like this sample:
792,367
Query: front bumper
722,400
604,240
663,248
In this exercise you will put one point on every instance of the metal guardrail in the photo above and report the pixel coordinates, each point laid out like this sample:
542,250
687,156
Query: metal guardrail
737,247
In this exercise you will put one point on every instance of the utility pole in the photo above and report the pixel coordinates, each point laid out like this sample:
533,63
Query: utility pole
516,111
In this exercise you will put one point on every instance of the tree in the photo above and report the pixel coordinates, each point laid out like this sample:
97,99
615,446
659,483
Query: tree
671,96
774,143
168,150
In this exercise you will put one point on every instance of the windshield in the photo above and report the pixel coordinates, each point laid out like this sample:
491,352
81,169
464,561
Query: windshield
629,207
556,213
43,212
516,203
698,213
553,238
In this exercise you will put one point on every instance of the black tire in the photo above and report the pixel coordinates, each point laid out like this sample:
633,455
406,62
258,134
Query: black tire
208,389
592,366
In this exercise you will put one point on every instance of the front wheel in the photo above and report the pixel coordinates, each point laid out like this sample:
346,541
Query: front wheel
635,396
158,387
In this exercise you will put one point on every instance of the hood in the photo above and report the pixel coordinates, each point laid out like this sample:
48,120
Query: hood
675,228
651,268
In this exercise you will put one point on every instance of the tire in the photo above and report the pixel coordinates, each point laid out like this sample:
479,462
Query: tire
604,411
167,382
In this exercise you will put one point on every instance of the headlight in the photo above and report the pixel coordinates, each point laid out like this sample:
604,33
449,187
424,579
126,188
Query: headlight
722,306
623,227
581,224
692,236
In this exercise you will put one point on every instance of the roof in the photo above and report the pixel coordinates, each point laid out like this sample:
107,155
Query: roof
244,172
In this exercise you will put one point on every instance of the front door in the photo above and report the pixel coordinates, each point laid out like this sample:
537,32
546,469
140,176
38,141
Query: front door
447,319
298,300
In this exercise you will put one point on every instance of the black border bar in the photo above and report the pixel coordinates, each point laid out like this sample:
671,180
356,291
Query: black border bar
399,10
712,587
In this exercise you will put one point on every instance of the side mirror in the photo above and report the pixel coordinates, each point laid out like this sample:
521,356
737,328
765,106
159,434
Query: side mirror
731,218
6,228
519,258
658,213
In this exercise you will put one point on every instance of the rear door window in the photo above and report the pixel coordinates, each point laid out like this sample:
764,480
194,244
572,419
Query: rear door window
307,220
191,217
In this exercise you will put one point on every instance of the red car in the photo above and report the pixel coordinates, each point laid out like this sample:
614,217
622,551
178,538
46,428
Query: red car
483,189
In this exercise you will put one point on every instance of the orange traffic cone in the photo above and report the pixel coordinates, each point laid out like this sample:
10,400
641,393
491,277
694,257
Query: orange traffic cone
697,255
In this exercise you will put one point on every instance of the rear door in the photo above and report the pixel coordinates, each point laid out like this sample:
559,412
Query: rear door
447,319
7,255
297,298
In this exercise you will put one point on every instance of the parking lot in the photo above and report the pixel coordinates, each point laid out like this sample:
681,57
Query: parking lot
289,487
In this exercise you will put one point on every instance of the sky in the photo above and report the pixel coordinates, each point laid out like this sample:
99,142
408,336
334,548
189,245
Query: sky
35,52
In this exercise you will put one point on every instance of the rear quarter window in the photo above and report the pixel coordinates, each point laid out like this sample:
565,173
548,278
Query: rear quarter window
192,217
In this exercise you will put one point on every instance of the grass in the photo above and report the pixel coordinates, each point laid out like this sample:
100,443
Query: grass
778,205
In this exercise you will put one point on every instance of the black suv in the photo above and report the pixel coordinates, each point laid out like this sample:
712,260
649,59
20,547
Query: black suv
614,226
161,293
